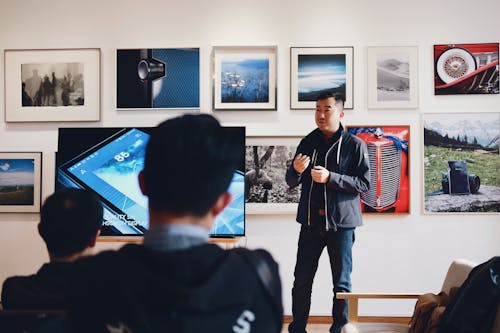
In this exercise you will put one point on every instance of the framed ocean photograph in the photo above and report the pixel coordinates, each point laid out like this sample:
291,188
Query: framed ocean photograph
461,162
52,85
244,77
158,78
266,162
389,154
466,69
20,182
392,77
316,70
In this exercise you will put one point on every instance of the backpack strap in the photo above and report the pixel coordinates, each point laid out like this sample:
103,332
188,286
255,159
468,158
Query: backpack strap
261,268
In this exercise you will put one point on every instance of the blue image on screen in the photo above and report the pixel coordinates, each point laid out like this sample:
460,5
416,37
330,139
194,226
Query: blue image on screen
112,170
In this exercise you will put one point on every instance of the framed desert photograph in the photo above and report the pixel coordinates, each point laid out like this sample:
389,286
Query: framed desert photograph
317,70
461,162
392,77
389,154
52,85
20,182
466,69
244,78
158,78
266,162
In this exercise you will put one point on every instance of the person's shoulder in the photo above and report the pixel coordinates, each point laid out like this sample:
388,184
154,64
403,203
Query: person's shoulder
349,137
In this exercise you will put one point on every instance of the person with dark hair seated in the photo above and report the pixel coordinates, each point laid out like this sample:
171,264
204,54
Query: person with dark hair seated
70,223
176,281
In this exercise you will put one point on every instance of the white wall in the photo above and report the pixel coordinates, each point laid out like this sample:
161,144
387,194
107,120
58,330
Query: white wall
404,253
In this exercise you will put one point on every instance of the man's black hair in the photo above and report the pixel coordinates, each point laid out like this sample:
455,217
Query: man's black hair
69,219
189,163
338,97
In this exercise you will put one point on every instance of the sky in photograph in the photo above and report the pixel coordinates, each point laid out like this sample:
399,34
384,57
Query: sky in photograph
16,172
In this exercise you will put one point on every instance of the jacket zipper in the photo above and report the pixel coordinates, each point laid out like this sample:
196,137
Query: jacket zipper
313,161
339,141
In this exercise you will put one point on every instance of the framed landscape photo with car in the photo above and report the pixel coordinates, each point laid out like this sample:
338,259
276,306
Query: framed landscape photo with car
244,77
317,70
266,162
389,154
392,77
52,85
20,182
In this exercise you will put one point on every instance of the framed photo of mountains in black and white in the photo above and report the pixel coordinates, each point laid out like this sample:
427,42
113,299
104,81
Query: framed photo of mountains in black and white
392,77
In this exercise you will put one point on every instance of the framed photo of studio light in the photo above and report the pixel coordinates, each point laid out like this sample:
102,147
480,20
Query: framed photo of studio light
158,78
389,154
392,77
461,162
20,182
244,78
266,162
317,70
52,85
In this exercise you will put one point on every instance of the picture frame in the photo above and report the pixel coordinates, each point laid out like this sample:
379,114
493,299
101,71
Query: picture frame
460,163
389,154
20,182
466,69
316,70
45,85
392,78
158,78
244,78
268,193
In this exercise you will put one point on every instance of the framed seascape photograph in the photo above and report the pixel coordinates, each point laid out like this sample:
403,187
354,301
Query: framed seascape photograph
52,85
466,69
266,162
20,182
244,78
158,78
389,154
461,162
316,70
392,77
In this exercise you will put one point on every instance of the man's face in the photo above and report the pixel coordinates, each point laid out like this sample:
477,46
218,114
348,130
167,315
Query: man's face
328,116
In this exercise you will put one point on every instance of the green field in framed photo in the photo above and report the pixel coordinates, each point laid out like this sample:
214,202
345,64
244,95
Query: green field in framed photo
20,182
52,85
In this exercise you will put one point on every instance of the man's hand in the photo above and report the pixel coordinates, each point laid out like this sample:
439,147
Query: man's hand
301,162
320,174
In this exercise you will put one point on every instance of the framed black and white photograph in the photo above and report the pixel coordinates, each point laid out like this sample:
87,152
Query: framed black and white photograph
317,70
244,78
266,162
52,85
461,162
20,182
392,77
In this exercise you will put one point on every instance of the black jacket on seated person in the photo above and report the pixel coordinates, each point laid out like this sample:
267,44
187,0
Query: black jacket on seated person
44,290
200,289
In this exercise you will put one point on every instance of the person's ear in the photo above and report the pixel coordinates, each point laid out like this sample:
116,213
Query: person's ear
142,183
341,114
221,203
93,240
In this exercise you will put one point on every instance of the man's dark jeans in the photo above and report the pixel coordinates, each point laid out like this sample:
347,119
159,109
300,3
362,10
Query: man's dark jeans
312,241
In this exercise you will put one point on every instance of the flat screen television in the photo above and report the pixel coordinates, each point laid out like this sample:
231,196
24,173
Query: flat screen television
107,162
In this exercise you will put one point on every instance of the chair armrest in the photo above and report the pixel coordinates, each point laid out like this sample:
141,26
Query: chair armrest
355,297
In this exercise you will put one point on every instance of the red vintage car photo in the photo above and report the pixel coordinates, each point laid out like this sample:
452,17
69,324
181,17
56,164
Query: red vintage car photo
389,177
466,69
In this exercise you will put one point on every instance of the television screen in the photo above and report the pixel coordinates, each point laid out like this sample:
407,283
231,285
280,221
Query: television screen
107,161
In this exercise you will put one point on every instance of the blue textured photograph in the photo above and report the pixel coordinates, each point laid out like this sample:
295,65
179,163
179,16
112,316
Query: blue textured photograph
320,73
158,78
245,81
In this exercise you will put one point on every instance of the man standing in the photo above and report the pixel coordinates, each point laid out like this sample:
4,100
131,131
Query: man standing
333,168
176,281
